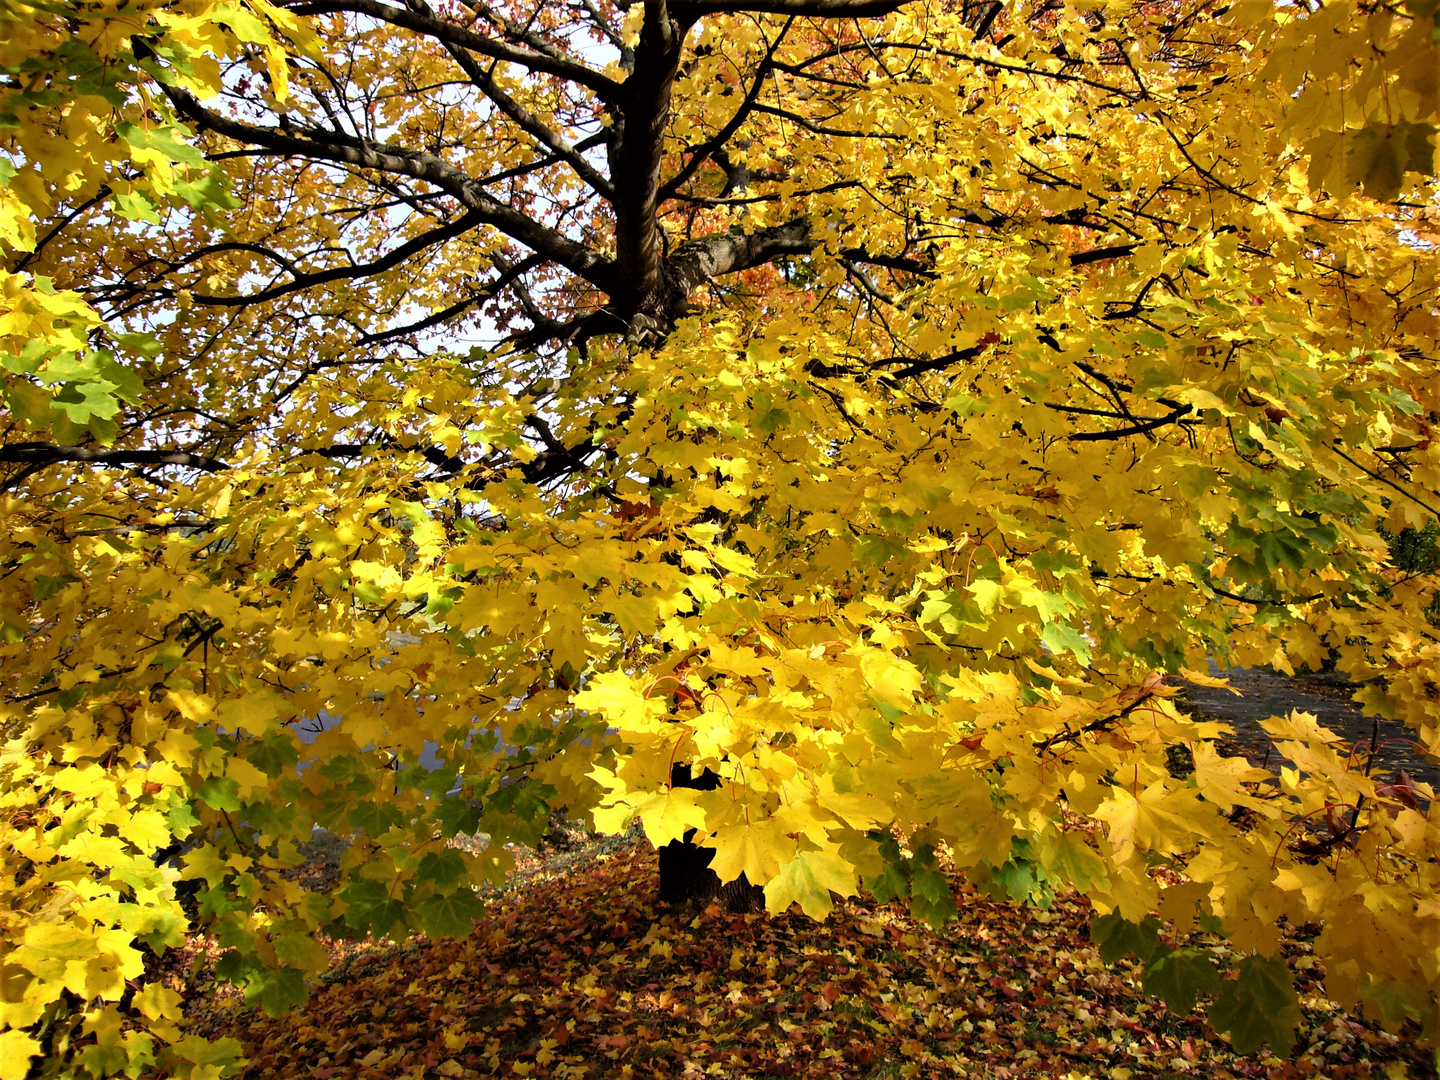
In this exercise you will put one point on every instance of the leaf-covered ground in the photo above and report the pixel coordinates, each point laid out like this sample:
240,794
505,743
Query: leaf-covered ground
578,972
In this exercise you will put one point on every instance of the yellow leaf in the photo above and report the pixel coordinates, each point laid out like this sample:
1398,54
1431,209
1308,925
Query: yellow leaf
615,696
667,814
1198,678
808,880
247,776
987,594
1156,818
1219,779
250,713
757,851
197,708
148,830
892,680
16,1050
158,1002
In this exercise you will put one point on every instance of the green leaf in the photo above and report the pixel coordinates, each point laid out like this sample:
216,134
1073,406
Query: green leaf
1015,877
276,990
141,344
219,900
443,869
181,817
368,592
135,206
209,191
1179,977
809,879
880,549
1062,637
1115,936
1072,860
45,587
931,898
375,818
1056,562
28,402
368,906
128,386
160,138
81,401
103,1059
1379,156
219,793
890,883
272,754
452,915
194,1055
457,816
1258,1007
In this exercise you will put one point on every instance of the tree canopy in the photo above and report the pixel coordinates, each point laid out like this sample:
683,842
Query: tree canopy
881,404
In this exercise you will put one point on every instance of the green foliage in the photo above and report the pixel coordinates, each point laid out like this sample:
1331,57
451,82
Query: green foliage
1115,936
1259,1006
1180,977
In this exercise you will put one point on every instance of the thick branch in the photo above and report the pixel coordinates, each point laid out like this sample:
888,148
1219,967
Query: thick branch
920,367
41,454
1119,251
726,253
1143,427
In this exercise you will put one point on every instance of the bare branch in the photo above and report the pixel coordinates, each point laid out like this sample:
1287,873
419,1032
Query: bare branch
510,276
820,129
388,261
528,122
334,146
702,153
607,89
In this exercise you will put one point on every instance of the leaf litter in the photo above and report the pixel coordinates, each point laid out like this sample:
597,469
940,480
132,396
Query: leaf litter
577,971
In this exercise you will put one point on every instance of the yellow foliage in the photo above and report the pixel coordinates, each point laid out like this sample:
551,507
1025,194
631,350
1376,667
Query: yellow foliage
396,443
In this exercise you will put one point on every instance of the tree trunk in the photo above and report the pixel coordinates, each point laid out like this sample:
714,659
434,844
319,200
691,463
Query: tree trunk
685,872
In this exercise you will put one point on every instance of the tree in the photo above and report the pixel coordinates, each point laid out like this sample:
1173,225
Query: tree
870,404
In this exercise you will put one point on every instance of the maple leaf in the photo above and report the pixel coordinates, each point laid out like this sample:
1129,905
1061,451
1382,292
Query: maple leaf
1180,977
1159,818
808,880
668,814
1220,780
450,915
757,851
1115,936
1259,1006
